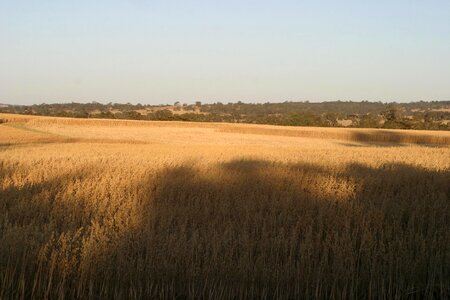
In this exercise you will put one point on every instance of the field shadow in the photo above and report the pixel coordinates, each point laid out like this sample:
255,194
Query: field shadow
252,229
361,144
36,223
43,142
5,145
241,229
387,138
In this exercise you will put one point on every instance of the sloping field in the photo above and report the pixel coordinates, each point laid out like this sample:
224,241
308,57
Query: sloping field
346,134
112,209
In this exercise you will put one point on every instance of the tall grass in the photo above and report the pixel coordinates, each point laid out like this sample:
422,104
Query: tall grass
130,221
347,134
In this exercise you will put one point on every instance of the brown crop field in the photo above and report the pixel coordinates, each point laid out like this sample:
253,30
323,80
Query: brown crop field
109,209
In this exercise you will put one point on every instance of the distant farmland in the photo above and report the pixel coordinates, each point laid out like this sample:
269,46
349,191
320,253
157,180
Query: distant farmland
119,209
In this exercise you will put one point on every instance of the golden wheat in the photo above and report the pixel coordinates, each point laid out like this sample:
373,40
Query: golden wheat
347,134
125,209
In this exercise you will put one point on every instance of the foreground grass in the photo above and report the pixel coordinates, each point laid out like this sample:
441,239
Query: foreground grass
311,219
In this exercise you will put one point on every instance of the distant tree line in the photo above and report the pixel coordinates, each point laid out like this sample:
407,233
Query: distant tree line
433,115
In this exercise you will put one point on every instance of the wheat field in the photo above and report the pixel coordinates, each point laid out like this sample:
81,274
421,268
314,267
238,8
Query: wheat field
108,209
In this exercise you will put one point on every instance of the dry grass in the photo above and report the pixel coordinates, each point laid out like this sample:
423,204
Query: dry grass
120,209
347,134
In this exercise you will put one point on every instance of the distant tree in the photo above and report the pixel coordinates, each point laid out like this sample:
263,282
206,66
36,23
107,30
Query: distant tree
132,115
391,114
330,119
164,115
368,121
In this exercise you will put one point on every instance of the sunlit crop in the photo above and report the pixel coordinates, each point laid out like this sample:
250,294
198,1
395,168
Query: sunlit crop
95,209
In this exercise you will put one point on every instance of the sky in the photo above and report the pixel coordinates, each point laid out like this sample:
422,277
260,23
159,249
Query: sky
156,52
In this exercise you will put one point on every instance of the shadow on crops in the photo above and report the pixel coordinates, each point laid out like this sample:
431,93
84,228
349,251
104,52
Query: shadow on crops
372,144
32,210
5,145
43,142
386,138
34,225
252,229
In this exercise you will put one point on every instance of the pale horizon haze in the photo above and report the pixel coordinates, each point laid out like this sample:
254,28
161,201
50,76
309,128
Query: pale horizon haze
155,52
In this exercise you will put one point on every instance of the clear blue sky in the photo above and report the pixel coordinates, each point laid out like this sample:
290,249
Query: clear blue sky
152,51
